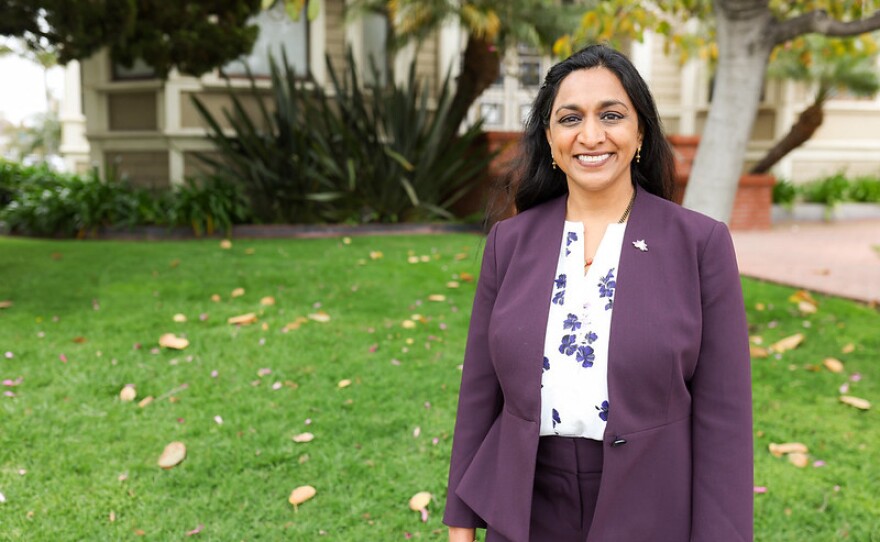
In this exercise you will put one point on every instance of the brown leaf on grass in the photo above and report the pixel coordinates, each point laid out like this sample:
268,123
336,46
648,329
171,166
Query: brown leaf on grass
112,516
758,352
80,340
460,256
299,321
466,277
56,256
320,316
301,495
439,298
170,340
243,319
855,402
848,348
195,531
225,244
344,383
215,298
419,501
250,251
179,318
798,459
146,401
238,292
452,284
760,307
376,254
778,450
789,343
174,263
303,437
832,364
5,304
268,300
802,296
408,324
128,393
173,454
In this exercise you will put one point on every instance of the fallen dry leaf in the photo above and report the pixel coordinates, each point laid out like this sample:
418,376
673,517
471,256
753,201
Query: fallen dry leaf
197,530
249,251
807,308
437,297
170,340
128,393
802,296
301,495
215,298
778,450
299,321
798,459
179,318
848,348
466,277
376,254
344,383
408,324
80,340
225,244
243,319
833,365
758,351
238,292
855,402
789,343
173,454
320,316
5,304
419,501
146,401
112,516
760,307
303,437
452,284
460,256
268,300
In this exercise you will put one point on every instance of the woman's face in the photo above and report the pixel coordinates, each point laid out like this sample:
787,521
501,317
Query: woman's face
593,130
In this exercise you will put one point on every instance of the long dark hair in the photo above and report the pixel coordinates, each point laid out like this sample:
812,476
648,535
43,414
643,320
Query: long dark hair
535,181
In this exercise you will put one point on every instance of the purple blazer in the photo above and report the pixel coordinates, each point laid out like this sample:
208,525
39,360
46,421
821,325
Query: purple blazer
678,443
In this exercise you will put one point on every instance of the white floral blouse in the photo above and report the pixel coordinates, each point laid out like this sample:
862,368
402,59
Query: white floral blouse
574,384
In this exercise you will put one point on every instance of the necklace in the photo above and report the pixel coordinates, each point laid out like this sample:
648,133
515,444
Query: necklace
589,261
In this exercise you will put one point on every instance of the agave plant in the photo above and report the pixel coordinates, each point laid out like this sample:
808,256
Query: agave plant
357,154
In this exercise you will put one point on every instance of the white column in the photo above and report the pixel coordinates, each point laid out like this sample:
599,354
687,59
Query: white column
74,145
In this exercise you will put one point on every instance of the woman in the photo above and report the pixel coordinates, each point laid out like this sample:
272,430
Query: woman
606,390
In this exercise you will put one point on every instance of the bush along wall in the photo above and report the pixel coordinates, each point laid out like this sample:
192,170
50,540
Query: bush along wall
34,200
354,154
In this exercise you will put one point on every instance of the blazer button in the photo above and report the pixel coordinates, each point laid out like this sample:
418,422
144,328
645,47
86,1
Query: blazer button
618,442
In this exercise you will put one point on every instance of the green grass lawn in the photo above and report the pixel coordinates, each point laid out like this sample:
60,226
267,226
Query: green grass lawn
77,463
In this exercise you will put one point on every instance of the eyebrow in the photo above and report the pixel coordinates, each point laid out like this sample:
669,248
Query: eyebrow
602,105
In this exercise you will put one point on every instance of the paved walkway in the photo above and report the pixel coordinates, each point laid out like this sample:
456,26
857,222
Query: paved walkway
841,258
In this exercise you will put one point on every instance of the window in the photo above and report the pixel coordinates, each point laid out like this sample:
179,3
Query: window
138,70
375,32
277,32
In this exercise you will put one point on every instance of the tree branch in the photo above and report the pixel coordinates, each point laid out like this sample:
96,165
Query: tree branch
820,23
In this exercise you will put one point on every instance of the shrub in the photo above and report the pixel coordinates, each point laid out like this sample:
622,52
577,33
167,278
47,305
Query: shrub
356,155
207,205
830,190
784,192
865,190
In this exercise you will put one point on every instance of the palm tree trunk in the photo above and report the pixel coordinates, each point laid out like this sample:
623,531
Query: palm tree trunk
479,70
807,123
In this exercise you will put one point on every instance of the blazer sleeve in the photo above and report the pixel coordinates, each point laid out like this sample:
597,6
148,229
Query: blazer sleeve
723,477
480,397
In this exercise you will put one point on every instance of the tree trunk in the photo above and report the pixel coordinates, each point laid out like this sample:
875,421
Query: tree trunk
807,123
479,70
743,52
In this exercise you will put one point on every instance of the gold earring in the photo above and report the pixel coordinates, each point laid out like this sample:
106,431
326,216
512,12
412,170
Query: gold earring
639,154
554,163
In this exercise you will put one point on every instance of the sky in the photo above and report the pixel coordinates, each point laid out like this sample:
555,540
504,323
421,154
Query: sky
21,87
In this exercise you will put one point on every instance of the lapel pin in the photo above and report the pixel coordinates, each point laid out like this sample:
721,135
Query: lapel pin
641,245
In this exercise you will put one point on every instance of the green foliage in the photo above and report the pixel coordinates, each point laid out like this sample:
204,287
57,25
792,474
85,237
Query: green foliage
784,192
830,190
38,201
192,36
208,206
355,155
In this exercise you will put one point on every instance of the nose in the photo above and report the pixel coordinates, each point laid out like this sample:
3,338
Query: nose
592,132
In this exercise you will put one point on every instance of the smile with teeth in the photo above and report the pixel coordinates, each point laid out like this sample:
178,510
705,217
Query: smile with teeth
590,159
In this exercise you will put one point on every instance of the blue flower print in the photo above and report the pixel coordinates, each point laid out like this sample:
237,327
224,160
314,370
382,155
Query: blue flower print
546,364
560,282
607,284
590,337
559,297
571,238
585,356
568,345
556,418
603,411
571,323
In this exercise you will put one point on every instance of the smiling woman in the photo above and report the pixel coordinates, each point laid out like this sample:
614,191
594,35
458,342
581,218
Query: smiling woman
608,344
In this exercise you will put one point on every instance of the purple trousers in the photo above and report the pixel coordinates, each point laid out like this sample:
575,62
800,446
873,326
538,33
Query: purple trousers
567,478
